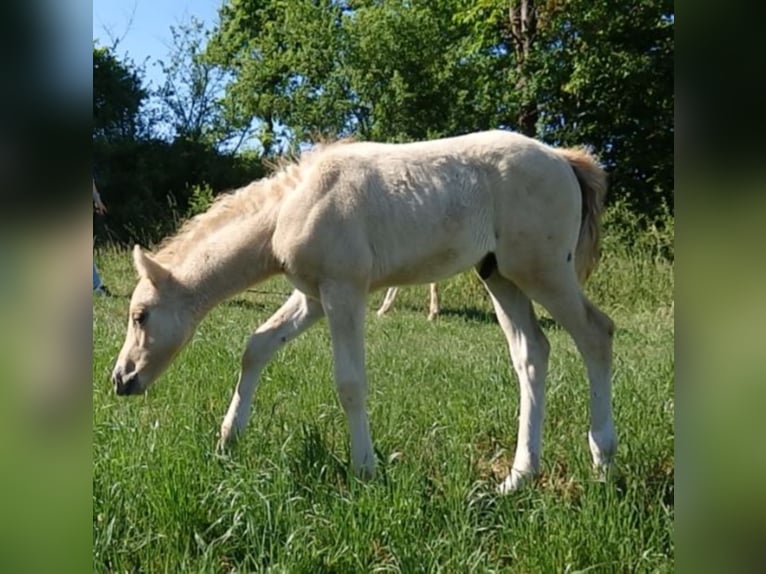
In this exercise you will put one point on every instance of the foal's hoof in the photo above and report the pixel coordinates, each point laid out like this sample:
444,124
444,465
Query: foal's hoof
365,473
607,472
514,482
221,448
226,442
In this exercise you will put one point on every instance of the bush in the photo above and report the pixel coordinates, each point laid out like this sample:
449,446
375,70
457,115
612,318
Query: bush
627,231
200,199
148,185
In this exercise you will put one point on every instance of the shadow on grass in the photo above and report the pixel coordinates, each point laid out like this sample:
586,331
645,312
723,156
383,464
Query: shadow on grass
482,316
316,462
469,314
246,304
661,483
114,295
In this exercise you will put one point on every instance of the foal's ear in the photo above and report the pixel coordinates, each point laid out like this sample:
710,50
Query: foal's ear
148,267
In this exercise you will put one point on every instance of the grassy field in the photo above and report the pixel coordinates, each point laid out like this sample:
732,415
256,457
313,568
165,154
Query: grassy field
443,405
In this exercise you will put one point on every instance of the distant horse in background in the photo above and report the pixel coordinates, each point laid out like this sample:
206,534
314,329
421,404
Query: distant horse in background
351,218
433,307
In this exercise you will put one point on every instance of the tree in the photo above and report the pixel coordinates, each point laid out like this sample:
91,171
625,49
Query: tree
282,56
189,100
148,180
523,19
379,70
617,92
118,96
571,72
595,72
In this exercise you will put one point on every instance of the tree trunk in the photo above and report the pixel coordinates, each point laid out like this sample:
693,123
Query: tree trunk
523,17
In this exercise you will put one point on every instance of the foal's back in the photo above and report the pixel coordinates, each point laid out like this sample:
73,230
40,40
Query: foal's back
419,212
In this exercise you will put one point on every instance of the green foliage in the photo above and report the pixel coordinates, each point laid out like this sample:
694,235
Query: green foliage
375,69
146,181
615,63
626,231
118,96
147,184
581,72
200,199
189,98
443,403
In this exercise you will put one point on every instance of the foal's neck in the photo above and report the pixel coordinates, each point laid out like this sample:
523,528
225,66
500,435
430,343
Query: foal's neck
231,259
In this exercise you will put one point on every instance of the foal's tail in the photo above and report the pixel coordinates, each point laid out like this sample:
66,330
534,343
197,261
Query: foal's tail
593,184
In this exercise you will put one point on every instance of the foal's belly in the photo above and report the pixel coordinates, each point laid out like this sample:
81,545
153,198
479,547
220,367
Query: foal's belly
428,268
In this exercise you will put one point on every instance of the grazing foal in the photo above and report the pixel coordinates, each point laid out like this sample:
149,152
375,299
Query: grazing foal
349,219
388,301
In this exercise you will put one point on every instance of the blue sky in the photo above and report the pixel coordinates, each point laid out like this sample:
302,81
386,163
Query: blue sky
143,27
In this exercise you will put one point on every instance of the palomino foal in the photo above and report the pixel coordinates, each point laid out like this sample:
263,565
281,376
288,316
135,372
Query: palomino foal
349,219
433,308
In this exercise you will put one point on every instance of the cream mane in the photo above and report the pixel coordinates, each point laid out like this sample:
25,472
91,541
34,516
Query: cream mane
233,206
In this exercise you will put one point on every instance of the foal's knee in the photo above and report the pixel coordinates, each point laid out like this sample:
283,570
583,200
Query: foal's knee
251,355
351,395
258,350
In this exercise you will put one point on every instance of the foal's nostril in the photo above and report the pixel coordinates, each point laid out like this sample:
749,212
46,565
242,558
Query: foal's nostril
117,376
121,382
122,386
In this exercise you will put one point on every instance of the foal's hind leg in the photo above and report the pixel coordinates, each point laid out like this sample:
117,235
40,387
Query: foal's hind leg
295,316
592,331
433,309
529,352
387,301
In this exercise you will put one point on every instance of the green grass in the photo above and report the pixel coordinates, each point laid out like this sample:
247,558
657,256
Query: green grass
443,405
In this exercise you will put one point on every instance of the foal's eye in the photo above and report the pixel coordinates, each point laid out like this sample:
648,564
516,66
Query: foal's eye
140,317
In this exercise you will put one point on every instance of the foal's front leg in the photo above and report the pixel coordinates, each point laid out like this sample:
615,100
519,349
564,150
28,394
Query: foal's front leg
295,316
344,306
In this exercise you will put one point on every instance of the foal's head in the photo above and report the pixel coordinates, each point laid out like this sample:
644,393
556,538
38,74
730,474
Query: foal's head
160,322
